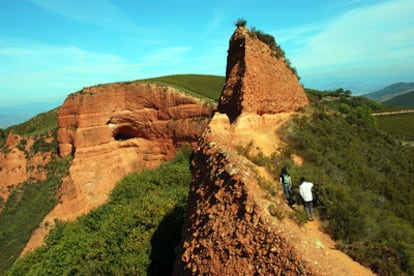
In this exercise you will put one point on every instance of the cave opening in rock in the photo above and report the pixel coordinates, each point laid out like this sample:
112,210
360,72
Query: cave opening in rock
124,133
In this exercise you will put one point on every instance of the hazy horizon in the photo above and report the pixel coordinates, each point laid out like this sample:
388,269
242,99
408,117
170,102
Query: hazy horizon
21,112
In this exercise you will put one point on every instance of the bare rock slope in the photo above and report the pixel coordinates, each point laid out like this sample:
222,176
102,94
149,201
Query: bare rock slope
257,81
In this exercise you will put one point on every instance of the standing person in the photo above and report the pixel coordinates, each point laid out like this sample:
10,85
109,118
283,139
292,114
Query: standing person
305,190
286,182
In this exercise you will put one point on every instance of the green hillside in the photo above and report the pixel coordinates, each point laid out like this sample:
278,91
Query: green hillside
390,91
39,125
364,190
134,234
364,185
402,100
400,125
204,86
29,202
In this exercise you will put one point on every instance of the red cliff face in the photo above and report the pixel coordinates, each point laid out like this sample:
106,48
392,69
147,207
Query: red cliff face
257,81
115,129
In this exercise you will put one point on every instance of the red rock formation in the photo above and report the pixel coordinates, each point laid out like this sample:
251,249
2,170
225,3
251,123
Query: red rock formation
257,81
18,164
228,230
119,128
113,130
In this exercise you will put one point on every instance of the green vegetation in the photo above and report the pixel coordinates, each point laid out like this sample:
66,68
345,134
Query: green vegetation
363,177
359,109
41,143
134,234
241,22
390,91
25,209
28,203
363,180
404,100
202,86
41,123
400,125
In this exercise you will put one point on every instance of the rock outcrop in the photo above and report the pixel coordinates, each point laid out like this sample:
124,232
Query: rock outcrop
115,129
257,81
229,230
18,163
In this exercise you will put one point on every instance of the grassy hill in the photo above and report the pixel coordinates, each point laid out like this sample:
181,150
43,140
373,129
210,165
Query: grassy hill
388,92
364,182
364,191
204,86
402,100
400,125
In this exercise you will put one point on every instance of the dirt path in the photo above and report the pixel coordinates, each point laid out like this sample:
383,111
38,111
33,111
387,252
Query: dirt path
393,112
309,240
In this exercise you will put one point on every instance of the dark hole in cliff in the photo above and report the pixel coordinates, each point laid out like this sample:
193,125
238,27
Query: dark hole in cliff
124,133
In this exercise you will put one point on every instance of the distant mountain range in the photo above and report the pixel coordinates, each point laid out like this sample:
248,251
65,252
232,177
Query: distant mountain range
398,94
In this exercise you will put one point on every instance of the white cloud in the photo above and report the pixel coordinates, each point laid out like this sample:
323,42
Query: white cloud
362,45
371,34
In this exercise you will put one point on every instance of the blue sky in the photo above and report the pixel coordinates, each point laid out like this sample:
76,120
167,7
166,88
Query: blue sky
51,48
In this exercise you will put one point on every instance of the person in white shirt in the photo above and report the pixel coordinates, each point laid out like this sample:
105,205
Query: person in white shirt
305,191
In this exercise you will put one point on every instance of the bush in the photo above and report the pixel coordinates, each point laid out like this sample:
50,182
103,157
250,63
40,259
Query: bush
24,210
135,233
241,22
363,181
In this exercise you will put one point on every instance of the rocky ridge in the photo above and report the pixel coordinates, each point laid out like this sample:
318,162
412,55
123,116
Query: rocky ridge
229,229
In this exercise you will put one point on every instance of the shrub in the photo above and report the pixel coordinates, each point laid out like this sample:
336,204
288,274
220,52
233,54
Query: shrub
267,186
24,210
363,181
241,22
274,211
135,233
